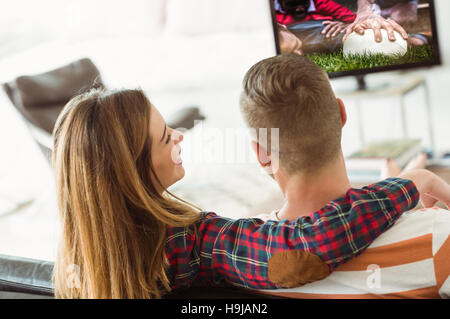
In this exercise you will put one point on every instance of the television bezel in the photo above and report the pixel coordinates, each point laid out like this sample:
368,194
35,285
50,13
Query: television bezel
436,61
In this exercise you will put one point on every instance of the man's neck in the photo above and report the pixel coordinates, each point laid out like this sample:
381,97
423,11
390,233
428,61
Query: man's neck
305,194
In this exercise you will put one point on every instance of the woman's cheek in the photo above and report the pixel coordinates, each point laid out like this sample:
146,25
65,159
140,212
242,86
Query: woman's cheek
174,154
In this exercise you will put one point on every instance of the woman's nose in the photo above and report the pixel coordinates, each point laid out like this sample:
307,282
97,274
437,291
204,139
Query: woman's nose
177,136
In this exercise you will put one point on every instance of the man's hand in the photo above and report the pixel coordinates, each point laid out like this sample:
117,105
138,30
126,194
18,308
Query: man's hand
375,22
431,187
333,28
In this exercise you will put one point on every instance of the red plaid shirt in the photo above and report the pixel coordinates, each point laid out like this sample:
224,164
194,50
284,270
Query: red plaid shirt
222,250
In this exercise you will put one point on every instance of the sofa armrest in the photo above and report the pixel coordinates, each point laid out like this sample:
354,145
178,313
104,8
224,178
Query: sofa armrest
30,278
24,275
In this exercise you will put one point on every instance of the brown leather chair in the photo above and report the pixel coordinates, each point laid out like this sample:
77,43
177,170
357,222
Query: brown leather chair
40,98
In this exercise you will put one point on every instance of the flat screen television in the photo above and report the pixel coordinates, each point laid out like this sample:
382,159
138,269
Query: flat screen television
306,20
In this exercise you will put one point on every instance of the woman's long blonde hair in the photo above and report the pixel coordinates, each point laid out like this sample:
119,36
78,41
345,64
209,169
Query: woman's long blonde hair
114,222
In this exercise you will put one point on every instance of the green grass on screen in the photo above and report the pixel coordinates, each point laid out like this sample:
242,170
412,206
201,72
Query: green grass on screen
335,62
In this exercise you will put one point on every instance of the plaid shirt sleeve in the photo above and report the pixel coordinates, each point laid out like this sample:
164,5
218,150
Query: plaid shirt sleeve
221,250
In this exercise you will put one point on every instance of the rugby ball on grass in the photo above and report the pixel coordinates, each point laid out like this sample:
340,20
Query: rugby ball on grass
365,44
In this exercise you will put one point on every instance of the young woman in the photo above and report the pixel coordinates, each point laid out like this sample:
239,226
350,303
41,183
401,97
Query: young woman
128,237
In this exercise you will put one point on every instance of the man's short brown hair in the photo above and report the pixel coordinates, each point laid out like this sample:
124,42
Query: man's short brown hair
292,93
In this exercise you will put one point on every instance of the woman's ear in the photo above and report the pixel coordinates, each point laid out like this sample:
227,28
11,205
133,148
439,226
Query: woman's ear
261,154
343,112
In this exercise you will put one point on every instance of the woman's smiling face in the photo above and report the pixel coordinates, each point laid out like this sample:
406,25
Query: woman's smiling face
166,150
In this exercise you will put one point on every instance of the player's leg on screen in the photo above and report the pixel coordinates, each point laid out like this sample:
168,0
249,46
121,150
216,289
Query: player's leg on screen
419,39
404,12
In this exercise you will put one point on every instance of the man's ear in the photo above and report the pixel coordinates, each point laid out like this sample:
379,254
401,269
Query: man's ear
343,112
261,154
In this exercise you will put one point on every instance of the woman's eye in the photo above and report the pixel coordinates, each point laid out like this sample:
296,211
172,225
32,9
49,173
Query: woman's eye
168,138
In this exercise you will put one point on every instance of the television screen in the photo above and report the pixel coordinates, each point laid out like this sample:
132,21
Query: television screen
354,37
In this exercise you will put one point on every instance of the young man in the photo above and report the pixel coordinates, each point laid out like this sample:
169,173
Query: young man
291,93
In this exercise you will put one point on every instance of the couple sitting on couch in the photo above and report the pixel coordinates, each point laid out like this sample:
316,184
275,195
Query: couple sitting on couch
125,236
